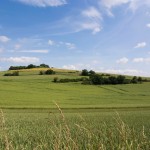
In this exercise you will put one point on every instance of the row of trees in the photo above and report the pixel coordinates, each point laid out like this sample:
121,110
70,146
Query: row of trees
98,79
120,79
85,72
28,67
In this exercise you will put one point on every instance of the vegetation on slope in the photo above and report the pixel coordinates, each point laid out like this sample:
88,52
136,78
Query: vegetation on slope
31,90
28,67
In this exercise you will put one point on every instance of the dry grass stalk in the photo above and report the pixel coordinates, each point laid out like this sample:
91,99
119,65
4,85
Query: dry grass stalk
8,145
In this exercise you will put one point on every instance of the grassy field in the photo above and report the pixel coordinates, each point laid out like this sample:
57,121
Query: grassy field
31,90
84,129
94,117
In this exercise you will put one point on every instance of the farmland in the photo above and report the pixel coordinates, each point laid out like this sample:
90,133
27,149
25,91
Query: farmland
31,90
33,121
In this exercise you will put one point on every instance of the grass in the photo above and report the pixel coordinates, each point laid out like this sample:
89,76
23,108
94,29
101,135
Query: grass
75,130
31,90
31,121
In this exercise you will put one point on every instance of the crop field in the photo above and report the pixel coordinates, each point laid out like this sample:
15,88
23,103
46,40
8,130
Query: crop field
41,115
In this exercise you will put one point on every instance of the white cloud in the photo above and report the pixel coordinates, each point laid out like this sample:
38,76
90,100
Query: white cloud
148,25
141,60
92,12
124,72
67,44
94,26
103,70
123,60
4,39
90,20
20,59
138,60
112,3
34,51
44,3
78,66
50,42
132,4
140,45
135,4
70,45
72,67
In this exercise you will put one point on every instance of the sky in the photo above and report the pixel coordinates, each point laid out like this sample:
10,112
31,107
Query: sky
109,36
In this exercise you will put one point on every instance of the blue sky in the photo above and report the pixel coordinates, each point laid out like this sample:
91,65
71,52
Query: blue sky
103,35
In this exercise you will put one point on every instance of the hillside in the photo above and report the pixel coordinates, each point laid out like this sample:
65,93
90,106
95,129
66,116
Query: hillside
31,90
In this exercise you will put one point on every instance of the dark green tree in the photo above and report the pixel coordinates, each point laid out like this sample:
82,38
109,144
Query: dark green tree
49,72
121,79
84,72
31,66
134,80
113,80
97,79
91,72
44,66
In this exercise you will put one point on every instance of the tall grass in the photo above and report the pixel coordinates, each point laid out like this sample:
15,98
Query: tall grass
59,133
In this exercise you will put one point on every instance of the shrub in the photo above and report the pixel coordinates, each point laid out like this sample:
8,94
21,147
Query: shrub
15,73
70,80
86,81
7,74
49,72
55,79
41,72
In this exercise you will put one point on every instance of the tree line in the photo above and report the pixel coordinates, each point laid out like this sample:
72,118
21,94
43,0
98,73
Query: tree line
100,79
28,67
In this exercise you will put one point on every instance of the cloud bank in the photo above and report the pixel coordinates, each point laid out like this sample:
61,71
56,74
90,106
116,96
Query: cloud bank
20,59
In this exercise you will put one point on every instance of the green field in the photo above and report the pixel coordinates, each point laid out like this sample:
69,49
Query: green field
31,90
31,120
